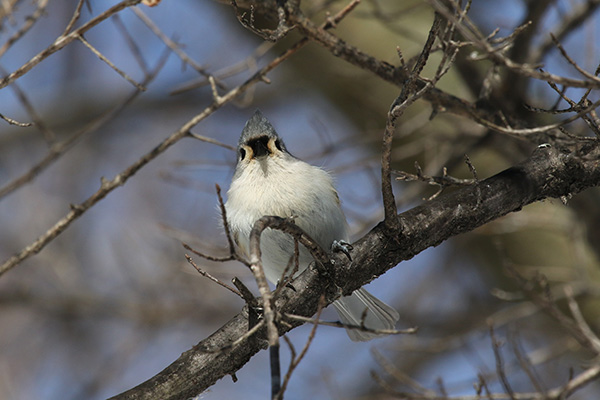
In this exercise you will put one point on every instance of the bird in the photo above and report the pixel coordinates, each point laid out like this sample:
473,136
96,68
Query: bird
269,181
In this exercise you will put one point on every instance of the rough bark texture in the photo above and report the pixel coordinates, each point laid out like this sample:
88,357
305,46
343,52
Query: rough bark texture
549,172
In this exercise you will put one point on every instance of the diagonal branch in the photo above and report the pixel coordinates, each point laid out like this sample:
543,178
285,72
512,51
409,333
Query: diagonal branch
547,173
59,148
102,57
27,25
62,41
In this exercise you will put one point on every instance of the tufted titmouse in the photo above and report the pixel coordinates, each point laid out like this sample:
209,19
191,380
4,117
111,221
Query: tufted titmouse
268,180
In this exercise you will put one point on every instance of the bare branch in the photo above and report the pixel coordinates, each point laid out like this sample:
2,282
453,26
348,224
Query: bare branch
500,364
15,122
541,129
110,64
49,135
583,325
60,148
28,24
565,55
442,182
172,45
580,12
495,55
295,360
207,275
74,18
525,364
62,41
135,49
409,94
225,223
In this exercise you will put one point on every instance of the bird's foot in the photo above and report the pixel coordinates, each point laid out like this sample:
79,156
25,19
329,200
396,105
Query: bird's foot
343,246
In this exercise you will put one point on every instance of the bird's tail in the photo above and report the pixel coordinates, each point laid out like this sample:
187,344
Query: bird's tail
378,316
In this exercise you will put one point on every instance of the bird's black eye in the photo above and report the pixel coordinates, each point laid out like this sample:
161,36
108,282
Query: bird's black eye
278,144
242,154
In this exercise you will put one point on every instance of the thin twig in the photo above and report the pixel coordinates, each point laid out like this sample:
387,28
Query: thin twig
49,135
442,182
581,322
565,55
295,361
74,18
398,375
496,54
500,363
236,342
172,45
525,364
60,148
232,251
540,129
62,41
250,64
102,57
546,301
574,107
251,61
134,48
15,122
579,12
587,376
211,141
27,25
408,95
389,202
209,276
207,256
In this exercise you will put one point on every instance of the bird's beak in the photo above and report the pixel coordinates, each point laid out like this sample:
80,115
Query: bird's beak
259,148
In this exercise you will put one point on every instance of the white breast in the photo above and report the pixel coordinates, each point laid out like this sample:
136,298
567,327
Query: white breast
284,186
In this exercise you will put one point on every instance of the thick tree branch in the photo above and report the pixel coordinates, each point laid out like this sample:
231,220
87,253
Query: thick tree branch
549,172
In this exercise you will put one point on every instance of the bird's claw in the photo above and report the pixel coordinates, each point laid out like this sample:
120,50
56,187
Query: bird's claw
343,246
